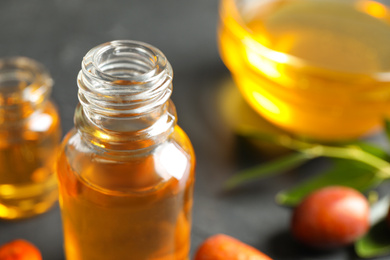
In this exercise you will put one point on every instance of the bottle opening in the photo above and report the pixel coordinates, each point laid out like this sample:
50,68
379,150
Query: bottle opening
125,61
15,79
107,68
118,62
23,80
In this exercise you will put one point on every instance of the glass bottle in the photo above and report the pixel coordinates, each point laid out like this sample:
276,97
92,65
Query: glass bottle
29,137
126,171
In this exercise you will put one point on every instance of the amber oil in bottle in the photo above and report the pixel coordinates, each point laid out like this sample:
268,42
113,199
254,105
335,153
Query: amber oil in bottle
126,171
29,137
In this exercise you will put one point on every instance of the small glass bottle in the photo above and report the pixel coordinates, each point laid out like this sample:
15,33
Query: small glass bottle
126,171
29,137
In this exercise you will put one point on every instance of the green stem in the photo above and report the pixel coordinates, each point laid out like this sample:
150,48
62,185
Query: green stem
316,150
382,166
268,169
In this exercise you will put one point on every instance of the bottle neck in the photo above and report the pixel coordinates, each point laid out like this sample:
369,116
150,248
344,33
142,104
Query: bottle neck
124,91
25,86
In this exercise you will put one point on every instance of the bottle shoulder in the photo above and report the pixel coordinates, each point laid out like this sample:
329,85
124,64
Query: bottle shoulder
74,141
170,161
180,137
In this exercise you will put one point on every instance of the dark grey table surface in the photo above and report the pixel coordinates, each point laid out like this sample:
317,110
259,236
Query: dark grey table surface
58,33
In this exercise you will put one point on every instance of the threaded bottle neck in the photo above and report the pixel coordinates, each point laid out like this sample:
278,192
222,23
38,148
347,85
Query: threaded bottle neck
124,87
25,85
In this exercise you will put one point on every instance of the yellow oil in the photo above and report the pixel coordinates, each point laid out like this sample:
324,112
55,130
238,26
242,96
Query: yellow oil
126,207
317,68
27,157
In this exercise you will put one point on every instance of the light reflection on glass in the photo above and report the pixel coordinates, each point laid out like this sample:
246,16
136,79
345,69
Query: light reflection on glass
170,162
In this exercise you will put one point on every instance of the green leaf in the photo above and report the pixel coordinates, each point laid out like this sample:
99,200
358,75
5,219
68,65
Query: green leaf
345,172
375,243
277,166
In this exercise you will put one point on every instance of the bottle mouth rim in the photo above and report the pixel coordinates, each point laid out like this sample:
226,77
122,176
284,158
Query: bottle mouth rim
23,80
124,77
231,9
149,64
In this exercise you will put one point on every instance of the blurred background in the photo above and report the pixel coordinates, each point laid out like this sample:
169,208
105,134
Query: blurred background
59,33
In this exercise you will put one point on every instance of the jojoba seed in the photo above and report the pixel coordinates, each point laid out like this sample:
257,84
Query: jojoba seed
223,247
19,250
331,217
